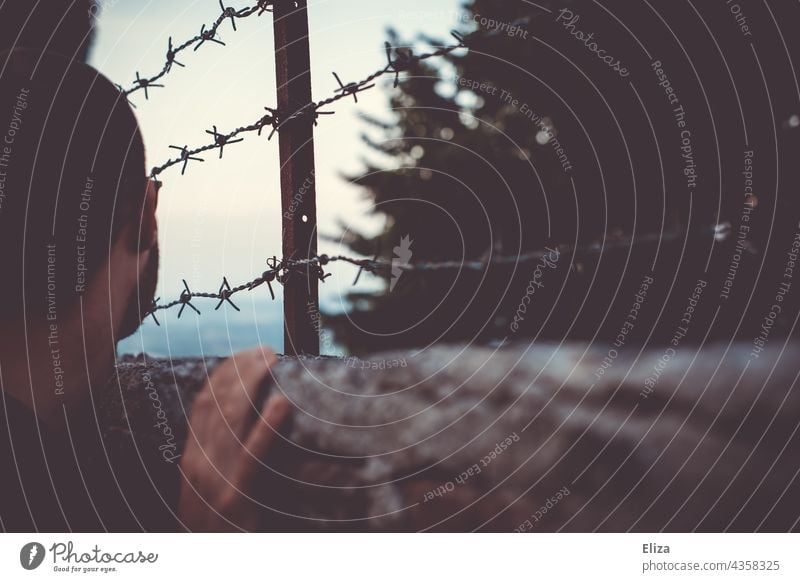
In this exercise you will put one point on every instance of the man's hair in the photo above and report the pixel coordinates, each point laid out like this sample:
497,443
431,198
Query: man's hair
72,172
61,26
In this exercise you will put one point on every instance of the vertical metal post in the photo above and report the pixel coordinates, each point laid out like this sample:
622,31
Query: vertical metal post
298,189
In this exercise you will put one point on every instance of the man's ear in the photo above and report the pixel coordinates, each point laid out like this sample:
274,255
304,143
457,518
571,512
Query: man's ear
147,235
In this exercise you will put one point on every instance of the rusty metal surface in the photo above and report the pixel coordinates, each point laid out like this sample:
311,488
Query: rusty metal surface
298,192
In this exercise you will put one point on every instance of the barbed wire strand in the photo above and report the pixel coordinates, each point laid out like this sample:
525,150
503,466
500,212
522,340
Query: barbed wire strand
399,59
206,34
279,270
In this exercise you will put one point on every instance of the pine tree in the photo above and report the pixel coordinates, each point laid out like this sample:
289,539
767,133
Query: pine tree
529,139
454,176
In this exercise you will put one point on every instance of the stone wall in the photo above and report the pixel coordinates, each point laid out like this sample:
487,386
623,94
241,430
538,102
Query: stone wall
518,438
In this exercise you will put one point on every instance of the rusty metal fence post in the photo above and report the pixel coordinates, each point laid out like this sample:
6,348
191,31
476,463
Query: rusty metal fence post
298,188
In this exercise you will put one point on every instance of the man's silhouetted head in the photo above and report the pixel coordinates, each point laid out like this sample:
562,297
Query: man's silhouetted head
72,179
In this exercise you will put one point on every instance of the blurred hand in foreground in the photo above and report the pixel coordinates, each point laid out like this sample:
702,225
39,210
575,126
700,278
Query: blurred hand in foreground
229,436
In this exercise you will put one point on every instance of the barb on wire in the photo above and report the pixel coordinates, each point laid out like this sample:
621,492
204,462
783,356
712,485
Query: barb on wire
266,277
232,13
209,35
361,269
316,113
351,88
145,84
403,61
153,308
171,60
186,299
185,157
221,140
459,37
273,119
225,293
265,6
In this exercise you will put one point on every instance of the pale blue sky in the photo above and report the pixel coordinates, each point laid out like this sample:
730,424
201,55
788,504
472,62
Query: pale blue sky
223,216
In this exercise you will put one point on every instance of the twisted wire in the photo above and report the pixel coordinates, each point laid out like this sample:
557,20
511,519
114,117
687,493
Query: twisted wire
279,270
